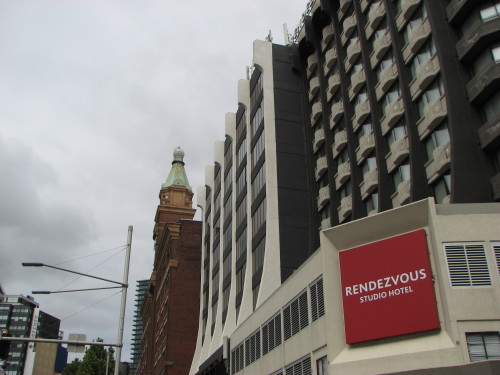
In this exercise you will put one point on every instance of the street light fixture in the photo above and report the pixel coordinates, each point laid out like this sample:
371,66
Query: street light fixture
123,285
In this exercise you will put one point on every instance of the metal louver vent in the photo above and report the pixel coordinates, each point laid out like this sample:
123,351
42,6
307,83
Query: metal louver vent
496,251
317,300
467,264
302,367
295,315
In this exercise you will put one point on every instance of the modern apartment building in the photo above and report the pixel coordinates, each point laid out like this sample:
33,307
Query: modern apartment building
20,316
350,218
171,300
138,325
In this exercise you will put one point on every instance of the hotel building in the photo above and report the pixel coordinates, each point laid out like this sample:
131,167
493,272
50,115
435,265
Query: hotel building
350,223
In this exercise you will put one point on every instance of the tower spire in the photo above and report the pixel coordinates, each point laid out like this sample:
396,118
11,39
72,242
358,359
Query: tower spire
177,175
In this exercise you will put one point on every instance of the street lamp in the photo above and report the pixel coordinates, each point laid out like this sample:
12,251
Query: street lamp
123,285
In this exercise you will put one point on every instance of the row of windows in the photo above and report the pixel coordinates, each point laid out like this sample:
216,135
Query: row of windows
241,153
254,95
241,181
295,318
258,256
228,206
241,243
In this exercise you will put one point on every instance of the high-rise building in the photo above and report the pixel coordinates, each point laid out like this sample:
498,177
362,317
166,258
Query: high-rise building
350,223
138,325
171,300
20,316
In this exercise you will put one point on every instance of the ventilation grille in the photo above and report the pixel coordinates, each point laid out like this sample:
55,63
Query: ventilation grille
317,300
237,359
271,334
252,348
496,251
295,316
303,367
467,264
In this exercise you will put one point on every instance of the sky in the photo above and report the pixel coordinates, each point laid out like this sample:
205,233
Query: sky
94,97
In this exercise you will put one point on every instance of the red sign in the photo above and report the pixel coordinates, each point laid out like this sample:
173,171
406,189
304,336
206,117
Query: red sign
387,288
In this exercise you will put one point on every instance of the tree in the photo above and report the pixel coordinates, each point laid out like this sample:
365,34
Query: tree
93,363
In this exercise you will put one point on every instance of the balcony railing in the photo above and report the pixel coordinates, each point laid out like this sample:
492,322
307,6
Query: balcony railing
319,139
402,194
313,87
380,47
441,160
484,84
417,37
434,114
369,183
375,16
357,81
361,112
366,145
333,86
399,151
312,64
337,113
386,79
425,73
343,7
321,167
327,36
480,34
489,134
343,174
317,111
339,143
408,7
345,208
330,58
393,112
353,51
323,197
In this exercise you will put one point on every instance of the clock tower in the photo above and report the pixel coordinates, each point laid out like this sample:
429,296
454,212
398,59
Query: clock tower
176,196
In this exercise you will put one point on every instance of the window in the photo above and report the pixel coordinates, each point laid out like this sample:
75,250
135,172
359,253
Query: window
271,334
295,316
228,180
369,164
241,212
317,300
257,119
255,295
401,174
228,207
322,366
467,264
483,345
241,181
226,266
439,137
258,150
259,181
426,52
416,20
215,282
241,243
489,10
258,256
240,279
491,108
371,203
241,153
259,217
442,188
434,92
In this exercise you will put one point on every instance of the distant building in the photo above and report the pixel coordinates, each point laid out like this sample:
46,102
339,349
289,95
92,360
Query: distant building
138,330
351,215
171,302
20,316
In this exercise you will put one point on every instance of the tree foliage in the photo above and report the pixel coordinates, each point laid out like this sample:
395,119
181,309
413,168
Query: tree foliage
93,362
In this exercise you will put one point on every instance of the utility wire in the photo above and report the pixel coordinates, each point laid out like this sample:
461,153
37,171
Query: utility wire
87,256
88,307
93,268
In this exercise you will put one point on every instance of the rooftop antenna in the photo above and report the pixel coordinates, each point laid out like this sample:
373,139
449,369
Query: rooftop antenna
287,35
269,37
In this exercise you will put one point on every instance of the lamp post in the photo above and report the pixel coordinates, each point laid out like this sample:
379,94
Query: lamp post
123,285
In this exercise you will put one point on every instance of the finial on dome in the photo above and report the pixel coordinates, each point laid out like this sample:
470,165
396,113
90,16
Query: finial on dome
178,155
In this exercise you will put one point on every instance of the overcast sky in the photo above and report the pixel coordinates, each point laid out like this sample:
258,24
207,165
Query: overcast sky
94,97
